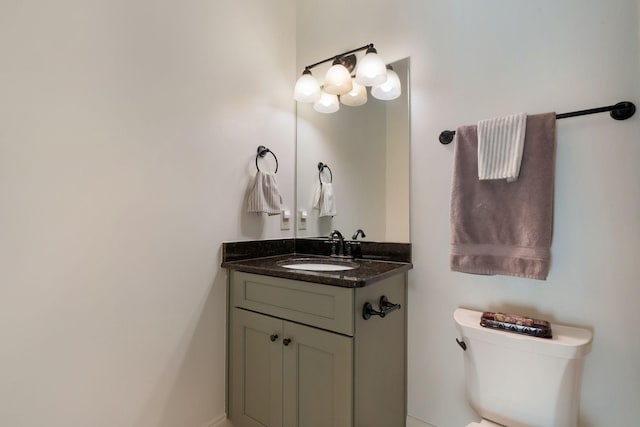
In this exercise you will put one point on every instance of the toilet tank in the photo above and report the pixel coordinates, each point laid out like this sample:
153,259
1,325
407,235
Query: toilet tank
523,381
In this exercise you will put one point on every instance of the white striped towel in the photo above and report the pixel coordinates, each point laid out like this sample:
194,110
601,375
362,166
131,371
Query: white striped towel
265,196
324,200
500,146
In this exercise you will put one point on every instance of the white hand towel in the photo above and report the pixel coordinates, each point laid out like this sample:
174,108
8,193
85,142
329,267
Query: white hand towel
324,200
500,147
265,196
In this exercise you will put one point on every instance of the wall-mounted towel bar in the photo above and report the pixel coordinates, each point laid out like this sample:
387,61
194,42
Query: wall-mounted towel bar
620,111
262,151
321,167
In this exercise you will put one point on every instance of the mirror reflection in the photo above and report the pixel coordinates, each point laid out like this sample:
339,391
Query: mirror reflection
361,157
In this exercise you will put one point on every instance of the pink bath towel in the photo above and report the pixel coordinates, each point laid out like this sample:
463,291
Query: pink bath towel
499,227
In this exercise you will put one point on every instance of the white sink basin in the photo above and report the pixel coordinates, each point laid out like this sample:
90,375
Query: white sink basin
318,265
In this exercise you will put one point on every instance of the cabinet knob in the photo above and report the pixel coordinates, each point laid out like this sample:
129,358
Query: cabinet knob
286,341
274,337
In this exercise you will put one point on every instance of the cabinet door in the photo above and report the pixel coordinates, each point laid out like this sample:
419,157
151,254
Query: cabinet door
318,378
255,359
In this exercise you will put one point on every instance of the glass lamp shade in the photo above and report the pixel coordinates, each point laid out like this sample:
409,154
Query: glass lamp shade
390,89
328,103
307,88
356,97
371,70
337,81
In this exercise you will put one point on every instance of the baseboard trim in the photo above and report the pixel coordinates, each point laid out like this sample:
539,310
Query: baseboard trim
220,421
414,422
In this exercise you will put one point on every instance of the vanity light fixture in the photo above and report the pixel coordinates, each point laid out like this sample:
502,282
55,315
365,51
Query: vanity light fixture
356,97
372,69
337,81
390,89
341,86
307,88
328,103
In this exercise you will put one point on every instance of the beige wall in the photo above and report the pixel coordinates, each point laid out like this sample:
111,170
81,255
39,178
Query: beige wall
128,132
472,60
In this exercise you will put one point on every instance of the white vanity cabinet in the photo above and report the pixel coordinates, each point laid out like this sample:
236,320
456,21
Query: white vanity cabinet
302,355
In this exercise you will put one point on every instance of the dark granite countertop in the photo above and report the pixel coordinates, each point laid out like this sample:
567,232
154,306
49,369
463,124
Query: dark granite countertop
367,272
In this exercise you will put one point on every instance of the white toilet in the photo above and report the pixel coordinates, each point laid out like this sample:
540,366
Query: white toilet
516,380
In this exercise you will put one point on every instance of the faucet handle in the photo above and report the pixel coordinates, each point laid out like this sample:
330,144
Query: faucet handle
334,245
347,248
353,249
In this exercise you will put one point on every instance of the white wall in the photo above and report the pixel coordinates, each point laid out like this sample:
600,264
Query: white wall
128,132
472,60
126,146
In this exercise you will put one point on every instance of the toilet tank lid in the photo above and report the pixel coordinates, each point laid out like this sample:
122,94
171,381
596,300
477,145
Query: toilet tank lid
567,342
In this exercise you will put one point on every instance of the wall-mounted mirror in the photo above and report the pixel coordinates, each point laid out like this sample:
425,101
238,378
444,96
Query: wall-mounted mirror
367,151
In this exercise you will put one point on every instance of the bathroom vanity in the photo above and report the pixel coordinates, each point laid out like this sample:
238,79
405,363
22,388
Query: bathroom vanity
316,348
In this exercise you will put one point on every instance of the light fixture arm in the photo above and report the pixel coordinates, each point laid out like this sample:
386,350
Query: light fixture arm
337,57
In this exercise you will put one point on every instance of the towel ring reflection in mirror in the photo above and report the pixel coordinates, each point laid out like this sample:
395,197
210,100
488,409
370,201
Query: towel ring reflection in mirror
321,167
262,151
